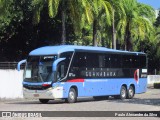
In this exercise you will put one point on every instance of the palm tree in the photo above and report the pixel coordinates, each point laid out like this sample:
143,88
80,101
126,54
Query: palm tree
100,8
136,23
77,10
117,12
38,7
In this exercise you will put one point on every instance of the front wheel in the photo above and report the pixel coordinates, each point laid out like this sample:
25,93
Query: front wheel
72,96
44,101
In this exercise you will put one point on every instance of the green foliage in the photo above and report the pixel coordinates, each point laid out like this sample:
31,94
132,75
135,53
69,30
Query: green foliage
157,23
136,23
53,7
10,13
85,20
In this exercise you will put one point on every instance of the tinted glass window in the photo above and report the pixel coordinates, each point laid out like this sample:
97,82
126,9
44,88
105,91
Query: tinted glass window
79,60
107,61
127,61
68,56
135,61
101,60
142,61
115,61
92,60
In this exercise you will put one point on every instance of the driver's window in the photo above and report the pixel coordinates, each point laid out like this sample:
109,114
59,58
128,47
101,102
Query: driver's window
61,71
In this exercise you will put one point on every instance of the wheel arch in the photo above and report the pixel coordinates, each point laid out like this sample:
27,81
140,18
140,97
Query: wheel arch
124,86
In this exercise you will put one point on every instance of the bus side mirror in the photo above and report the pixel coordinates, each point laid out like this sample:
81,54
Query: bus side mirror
20,63
55,63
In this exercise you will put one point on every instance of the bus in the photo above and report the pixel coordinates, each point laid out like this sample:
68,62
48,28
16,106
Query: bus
69,72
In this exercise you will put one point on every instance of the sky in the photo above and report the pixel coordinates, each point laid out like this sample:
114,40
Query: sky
154,3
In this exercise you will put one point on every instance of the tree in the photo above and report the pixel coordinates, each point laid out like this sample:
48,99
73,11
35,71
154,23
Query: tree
72,9
10,14
117,12
38,5
157,23
100,8
136,23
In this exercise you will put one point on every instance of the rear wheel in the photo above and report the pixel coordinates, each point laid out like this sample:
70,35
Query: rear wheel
130,93
72,96
44,101
123,93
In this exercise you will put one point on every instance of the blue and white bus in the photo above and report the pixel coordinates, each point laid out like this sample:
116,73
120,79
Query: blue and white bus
68,72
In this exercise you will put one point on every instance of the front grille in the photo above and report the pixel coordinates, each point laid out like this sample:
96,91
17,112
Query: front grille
36,87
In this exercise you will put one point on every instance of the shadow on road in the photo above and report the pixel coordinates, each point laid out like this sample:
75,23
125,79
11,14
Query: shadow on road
145,101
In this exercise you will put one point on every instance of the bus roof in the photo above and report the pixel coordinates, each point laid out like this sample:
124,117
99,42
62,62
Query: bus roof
51,50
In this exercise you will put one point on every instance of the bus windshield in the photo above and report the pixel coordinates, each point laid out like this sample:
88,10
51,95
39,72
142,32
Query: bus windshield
39,69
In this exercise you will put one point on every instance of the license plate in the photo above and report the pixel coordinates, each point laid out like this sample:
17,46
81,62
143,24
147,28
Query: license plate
36,95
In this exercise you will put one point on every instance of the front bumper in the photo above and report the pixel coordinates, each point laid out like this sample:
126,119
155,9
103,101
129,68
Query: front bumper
50,93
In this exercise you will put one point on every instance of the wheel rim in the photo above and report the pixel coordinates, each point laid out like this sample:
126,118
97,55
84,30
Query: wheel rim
123,93
131,92
71,95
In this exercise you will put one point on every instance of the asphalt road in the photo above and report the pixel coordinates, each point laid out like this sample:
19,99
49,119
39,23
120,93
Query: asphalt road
149,101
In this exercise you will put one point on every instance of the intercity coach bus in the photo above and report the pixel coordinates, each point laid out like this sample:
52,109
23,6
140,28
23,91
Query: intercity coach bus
69,71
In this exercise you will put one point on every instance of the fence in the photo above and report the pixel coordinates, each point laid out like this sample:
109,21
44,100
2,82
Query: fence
9,65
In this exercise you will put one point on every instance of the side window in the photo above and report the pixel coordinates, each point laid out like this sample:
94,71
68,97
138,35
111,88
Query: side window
135,61
107,60
63,66
101,58
61,72
68,56
79,60
138,61
142,61
127,61
92,60
116,61
78,64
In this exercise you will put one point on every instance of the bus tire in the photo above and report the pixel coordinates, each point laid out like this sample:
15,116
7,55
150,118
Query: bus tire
72,96
130,93
123,93
44,101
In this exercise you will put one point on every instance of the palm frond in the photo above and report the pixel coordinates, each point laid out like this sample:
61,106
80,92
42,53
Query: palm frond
53,7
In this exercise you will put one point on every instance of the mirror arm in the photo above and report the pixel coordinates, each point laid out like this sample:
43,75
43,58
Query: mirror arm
55,63
19,64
